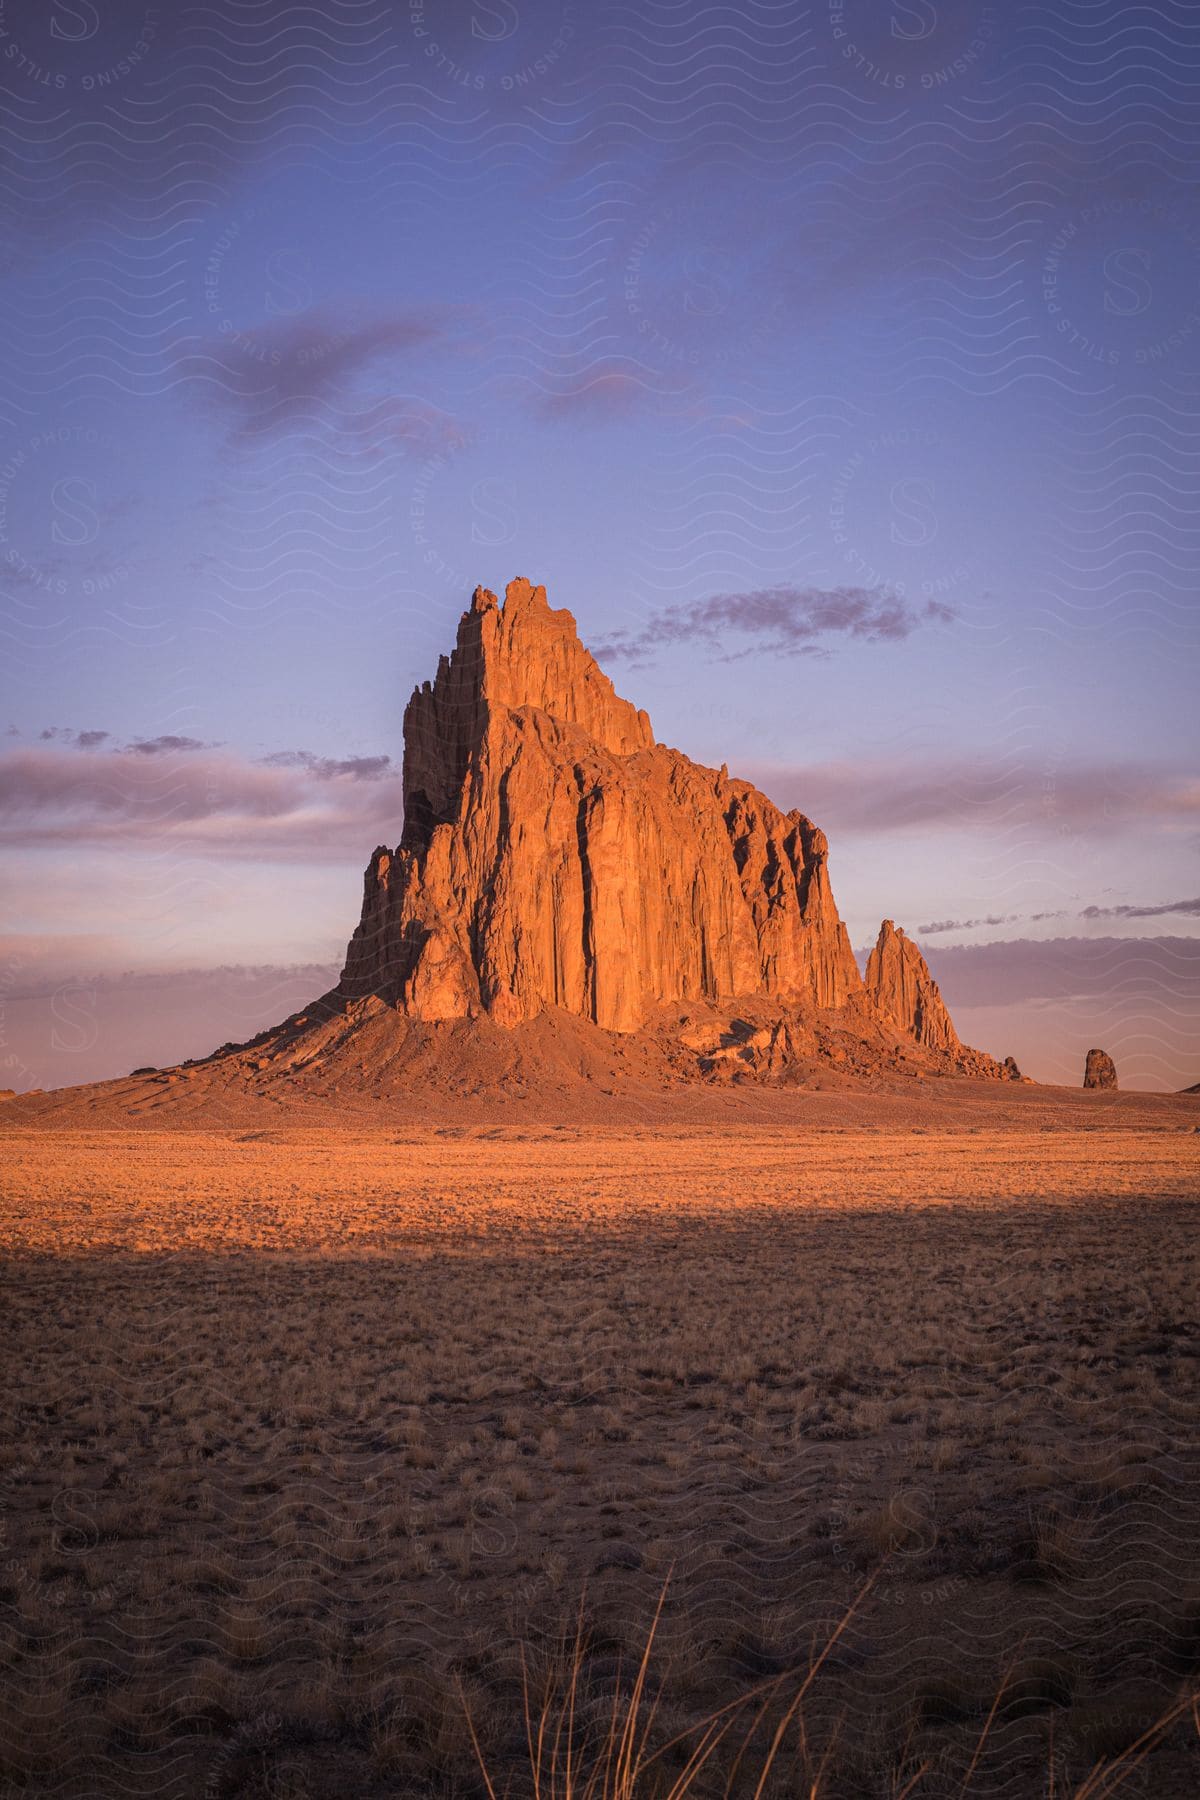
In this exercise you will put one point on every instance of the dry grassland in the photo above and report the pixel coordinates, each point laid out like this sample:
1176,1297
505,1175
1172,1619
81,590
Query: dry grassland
314,1439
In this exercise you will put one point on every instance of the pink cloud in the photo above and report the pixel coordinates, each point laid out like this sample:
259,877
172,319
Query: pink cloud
896,794
293,806
614,390
787,618
324,369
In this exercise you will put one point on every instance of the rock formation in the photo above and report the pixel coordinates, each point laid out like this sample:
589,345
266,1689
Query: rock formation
554,855
1099,1071
577,915
904,992
573,906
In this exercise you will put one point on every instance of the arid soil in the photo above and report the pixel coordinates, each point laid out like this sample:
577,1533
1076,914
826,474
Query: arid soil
316,1434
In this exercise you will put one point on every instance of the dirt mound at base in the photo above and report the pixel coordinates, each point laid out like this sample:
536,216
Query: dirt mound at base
364,1056
363,1062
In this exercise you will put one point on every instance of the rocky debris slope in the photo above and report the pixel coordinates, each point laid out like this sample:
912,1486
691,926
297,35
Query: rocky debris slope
1099,1071
341,1060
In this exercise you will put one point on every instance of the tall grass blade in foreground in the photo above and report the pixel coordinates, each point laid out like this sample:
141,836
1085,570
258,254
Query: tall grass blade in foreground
564,1765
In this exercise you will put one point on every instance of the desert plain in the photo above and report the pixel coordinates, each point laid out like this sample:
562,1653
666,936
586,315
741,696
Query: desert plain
351,1457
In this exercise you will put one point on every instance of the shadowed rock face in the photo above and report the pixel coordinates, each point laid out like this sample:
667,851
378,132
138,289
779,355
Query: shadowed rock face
554,855
1099,1071
905,994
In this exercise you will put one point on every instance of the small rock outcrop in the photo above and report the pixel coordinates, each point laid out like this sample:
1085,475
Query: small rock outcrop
1099,1071
1011,1069
904,993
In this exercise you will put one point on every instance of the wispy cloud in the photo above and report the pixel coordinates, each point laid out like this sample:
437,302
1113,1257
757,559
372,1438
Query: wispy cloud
155,792
41,963
328,768
614,391
1014,970
167,745
881,795
66,734
1189,907
271,377
938,927
788,619
398,422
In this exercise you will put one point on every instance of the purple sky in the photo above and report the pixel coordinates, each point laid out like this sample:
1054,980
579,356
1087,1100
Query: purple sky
836,365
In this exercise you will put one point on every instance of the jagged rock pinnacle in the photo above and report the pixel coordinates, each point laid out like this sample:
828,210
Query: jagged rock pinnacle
905,993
